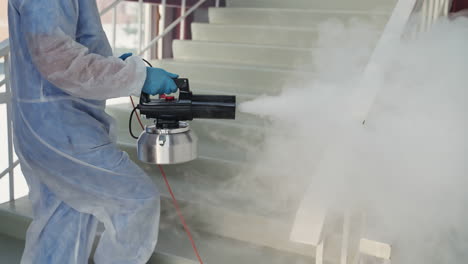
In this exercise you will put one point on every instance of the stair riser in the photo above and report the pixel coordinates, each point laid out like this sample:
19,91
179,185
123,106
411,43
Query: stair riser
243,93
364,5
274,36
16,226
168,251
241,54
247,79
254,35
291,19
13,225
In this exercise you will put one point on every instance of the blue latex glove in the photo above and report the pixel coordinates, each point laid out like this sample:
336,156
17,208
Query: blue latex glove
125,55
159,81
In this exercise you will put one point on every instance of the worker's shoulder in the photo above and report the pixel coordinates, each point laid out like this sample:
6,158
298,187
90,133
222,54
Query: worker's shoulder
17,4
37,5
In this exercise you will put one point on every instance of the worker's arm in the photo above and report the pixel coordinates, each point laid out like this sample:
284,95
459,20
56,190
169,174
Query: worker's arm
49,27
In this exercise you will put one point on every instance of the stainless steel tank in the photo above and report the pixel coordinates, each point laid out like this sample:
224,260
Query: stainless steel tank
167,146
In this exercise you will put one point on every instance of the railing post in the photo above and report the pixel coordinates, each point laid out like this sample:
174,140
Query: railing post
162,27
140,25
217,3
433,11
424,16
9,109
345,238
446,7
183,22
148,26
439,7
109,7
114,27
163,33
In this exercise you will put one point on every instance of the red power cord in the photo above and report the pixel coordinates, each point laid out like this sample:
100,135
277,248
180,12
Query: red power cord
174,200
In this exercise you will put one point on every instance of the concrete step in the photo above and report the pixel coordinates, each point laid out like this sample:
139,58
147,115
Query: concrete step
364,5
173,246
206,183
260,55
258,35
216,208
207,186
16,217
290,18
11,249
247,79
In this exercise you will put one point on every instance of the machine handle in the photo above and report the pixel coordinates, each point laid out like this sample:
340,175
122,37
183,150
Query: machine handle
144,98
182,85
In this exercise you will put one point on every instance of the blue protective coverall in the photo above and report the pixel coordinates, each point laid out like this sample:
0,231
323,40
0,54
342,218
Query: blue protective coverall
62,70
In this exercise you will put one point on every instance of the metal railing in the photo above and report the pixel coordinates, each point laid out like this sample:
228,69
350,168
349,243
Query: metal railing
5,99
165,30
432,10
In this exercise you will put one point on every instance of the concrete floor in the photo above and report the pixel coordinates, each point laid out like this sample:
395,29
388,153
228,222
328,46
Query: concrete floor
10,250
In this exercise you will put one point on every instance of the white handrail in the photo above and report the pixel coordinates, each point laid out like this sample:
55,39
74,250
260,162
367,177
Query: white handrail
395,28
7,170
431,11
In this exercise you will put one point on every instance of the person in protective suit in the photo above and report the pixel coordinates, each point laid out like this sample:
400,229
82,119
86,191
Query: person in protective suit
62,71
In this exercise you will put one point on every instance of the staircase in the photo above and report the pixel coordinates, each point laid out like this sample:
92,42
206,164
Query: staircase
249,48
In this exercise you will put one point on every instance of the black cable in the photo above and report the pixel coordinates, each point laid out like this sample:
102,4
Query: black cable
134,110
147,62
130,123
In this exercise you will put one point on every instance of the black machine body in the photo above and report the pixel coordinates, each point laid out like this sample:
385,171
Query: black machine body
168,111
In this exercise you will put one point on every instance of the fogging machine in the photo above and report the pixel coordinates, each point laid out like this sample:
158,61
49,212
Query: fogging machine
169,140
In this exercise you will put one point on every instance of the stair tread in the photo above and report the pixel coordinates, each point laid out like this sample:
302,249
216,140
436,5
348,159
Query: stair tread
297,18
360,5
228,65
286,11
305,11
242,45
256,27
